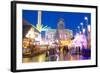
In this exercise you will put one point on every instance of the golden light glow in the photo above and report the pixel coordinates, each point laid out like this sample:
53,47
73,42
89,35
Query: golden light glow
30,34
65,42
39,27
25,43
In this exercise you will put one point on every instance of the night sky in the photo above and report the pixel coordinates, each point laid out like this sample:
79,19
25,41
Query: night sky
49,18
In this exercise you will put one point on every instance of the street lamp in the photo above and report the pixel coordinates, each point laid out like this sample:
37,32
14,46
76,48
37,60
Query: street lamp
89,36
78,29
89,28
81,25
83,30
86,18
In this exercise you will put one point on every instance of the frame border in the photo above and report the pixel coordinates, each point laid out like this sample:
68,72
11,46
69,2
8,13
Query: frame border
13,35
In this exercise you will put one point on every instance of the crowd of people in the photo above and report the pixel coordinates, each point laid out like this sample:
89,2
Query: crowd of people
65,53
76,50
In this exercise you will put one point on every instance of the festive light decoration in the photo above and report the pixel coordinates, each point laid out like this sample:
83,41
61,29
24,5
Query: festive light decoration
30,34
89,28
83,31
86,18
80,40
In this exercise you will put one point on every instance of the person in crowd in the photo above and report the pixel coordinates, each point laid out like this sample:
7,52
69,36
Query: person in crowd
86,53
65,52
78,53
52,54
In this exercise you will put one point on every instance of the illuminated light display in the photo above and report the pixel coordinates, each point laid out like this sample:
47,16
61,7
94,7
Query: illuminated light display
57,38
89,28
30,33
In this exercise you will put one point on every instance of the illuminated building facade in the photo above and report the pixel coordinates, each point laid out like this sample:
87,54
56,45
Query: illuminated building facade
29,31
62,33
50,35
29,35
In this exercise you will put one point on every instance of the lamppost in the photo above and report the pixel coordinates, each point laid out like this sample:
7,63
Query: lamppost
88,32
89,36
78,28
86,18
89,28
81,24
82,28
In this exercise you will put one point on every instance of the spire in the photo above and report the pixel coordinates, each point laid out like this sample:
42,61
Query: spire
61,23
39,17
39,26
